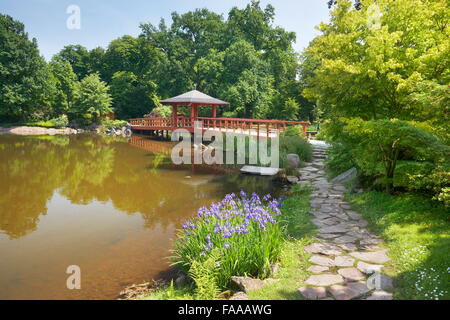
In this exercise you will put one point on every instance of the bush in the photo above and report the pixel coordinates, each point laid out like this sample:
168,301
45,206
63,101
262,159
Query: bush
243,231
297,145
293,131
161,111
400,153
113,124
60,122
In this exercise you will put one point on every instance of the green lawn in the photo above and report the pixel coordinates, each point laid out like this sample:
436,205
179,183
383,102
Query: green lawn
417,233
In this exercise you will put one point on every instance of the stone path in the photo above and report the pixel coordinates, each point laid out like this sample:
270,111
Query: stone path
344,254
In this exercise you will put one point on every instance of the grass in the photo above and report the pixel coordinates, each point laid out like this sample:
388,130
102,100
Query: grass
298,231
417,233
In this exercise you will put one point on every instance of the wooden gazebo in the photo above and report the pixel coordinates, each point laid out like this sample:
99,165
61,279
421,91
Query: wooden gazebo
195,99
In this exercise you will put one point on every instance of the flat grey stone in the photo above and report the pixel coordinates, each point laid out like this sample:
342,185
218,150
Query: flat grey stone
348,246
344,239
343,261
334,229
368,268
349,291
313,293
373,256
371,241
322,261
380,295
239,296
351,274
328,235
323,248
318,269
324,280
247,284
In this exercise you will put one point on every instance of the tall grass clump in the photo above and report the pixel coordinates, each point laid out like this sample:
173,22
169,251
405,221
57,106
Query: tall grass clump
241,230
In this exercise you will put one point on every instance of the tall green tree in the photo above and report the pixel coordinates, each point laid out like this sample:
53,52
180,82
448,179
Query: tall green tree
26,84
92,100
66,85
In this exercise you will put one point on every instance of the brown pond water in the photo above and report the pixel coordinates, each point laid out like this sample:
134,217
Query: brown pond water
109,205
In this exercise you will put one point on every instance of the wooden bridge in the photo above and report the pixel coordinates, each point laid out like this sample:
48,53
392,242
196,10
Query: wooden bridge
195,99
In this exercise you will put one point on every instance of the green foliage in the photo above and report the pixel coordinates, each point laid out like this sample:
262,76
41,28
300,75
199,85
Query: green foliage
66,85
27,87
92,100
294,144
161,111
113,124
387,60
204,275
247,241
294,131
398,151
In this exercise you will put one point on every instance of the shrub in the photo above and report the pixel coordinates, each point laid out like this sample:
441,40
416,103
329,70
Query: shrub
243,231
400,152
293,131
113,124
161,111
294,144
60,122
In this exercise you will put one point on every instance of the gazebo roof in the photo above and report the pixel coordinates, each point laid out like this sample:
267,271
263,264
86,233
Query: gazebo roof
194,97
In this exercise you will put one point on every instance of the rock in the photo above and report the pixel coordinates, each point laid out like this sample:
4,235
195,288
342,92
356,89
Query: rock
374,256
380,281
324,280
247,284
293,160
328,235
318,269
313,293
274,268
239,296
334,229
344,239
350,291
346,176
348,246
351,274
323,248
368,268
292,179
322,261
343,261
380,295
181,280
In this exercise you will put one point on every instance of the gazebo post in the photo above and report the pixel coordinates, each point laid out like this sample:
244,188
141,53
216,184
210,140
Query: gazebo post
174,116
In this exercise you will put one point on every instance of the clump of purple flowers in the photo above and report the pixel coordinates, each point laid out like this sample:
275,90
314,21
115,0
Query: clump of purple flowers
244,228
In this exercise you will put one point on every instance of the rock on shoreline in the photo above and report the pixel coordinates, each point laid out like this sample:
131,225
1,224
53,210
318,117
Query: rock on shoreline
25,130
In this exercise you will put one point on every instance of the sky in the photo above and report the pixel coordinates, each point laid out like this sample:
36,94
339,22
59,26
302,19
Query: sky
105,20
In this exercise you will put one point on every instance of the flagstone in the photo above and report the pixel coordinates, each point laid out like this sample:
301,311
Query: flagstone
322,261
351,274
372,256
343,261
344,239
350,291
318,269
380,295
368,268
323,248
324,280
313,293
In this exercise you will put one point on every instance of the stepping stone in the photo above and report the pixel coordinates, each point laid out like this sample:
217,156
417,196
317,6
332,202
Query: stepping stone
350,291
323,248
373,256
358,234
334,229
368,268
346,206
381,282
362,223
345,239
330,221
348,246
343,261
370,247
351,274
313,293
371,241
329,235
380,295
352,214
324,280
322,261
318,269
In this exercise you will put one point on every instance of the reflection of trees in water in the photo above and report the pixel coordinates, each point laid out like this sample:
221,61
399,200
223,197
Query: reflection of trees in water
87,168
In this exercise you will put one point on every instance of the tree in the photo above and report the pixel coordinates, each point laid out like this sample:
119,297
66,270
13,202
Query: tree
78,57
27,87
133,97
92,99
66,85
373,62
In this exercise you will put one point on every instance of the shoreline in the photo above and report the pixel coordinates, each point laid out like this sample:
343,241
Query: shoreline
26,130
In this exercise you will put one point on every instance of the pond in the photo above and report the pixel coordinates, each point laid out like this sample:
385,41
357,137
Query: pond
110,205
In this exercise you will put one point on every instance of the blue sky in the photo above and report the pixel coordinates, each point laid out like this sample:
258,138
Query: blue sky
106,20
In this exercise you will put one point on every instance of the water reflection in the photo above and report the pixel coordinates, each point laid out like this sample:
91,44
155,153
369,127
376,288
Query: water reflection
99,199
